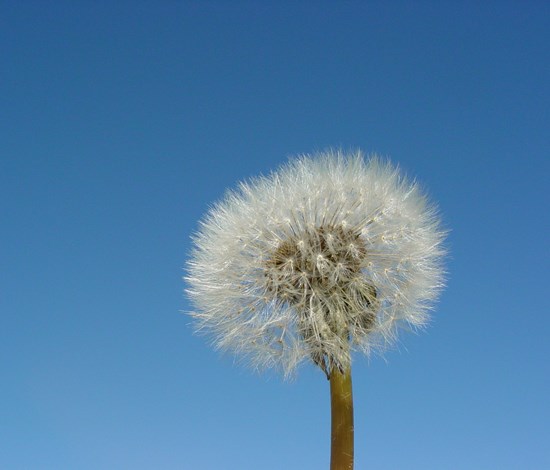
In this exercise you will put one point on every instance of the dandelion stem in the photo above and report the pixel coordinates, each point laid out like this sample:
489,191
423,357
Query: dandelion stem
341,401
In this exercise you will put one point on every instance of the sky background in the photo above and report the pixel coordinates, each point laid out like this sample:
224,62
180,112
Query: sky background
121,122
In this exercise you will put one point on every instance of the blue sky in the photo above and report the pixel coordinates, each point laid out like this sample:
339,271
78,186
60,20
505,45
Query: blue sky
120,124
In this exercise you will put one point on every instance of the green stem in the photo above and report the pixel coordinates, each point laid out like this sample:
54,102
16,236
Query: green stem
341,402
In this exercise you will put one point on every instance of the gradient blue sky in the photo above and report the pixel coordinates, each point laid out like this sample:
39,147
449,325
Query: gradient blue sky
122,121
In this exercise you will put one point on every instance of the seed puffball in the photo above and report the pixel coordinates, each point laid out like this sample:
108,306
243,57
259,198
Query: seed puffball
330,254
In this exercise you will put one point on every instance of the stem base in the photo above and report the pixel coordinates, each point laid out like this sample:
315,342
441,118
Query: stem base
341,401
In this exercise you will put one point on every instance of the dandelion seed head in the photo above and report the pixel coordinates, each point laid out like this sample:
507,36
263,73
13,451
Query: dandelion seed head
329,254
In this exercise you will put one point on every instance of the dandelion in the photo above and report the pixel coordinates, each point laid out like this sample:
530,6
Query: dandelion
331,254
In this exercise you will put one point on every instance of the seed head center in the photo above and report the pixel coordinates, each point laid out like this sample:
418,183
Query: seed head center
319,262
319,273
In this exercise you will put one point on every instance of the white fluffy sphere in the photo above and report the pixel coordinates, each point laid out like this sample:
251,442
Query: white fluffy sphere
329,254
